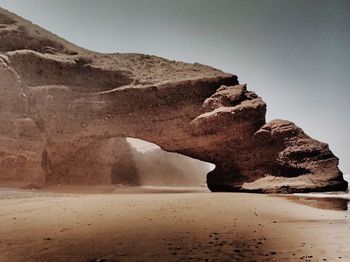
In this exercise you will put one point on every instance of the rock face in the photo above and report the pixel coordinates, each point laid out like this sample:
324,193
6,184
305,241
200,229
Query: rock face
100,162
21,143
60,103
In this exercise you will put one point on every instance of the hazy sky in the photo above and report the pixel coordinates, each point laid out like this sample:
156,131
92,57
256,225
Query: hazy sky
293,53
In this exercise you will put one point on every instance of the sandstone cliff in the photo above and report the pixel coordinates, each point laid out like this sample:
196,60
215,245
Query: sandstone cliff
60,102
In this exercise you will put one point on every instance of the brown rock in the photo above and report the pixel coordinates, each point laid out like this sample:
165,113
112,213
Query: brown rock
61,106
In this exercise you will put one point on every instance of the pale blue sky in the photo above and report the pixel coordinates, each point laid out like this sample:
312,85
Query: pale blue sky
295,54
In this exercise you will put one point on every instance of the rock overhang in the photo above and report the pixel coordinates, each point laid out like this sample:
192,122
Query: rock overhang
62,96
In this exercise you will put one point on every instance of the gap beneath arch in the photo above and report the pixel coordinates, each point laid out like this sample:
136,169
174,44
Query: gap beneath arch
156,167
122,162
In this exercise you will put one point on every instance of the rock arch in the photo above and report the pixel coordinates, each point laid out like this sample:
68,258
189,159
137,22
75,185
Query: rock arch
192,109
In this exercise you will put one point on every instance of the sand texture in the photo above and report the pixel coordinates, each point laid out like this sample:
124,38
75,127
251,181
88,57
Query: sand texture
157,225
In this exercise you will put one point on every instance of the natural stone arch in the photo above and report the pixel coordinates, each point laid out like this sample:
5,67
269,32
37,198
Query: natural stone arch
72,97
262,158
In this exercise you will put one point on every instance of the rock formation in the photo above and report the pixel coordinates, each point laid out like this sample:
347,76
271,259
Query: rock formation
101,162
60,102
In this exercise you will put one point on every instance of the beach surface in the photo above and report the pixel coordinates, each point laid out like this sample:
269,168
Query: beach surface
166,224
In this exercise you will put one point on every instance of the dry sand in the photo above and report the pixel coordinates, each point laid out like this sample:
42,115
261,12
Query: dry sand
160,225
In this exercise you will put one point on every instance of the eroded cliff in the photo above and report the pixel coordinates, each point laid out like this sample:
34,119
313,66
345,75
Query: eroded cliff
60,102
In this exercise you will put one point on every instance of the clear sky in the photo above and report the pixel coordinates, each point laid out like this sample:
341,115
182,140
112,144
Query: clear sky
293,53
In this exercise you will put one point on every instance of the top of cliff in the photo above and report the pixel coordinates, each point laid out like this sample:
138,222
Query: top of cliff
23,41
17,33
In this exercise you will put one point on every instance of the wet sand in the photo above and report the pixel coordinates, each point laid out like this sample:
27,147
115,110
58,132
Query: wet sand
323,202
150,224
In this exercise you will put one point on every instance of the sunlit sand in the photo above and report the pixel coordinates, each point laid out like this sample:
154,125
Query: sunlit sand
165,224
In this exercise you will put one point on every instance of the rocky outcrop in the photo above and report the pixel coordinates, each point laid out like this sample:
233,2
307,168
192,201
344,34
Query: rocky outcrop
301,164
99,162
21,143
64,103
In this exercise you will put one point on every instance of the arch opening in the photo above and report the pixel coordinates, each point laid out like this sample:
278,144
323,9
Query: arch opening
123,161
157,167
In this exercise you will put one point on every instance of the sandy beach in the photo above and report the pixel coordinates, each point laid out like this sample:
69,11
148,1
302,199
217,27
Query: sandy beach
145,224
192,97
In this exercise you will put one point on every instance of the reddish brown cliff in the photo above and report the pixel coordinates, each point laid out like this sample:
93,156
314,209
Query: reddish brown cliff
59,103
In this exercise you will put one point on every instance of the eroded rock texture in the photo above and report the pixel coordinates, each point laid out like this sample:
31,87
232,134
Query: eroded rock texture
61,106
